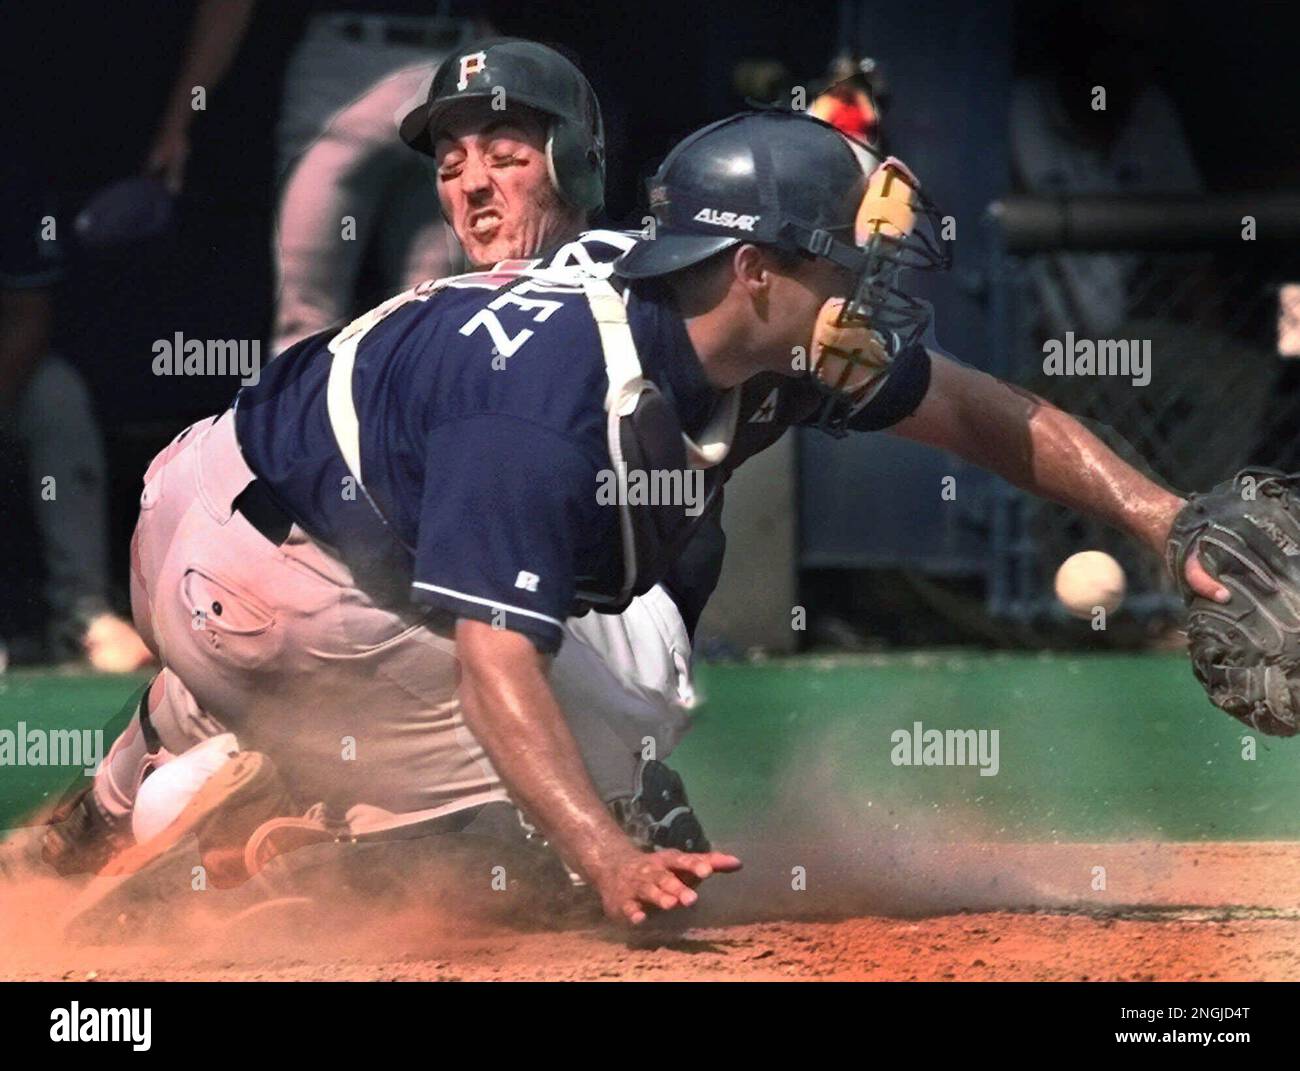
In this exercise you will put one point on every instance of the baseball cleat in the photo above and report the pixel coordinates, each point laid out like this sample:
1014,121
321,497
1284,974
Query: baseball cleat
141,888
659,815
78,839
279,836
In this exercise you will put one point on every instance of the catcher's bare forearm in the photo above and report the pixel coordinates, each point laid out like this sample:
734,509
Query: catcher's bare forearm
512,712
1039,447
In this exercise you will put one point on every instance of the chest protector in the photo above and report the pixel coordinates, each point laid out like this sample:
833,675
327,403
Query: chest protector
647,446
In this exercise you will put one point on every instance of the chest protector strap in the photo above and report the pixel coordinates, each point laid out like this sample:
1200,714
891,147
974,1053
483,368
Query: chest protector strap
653,458
339,405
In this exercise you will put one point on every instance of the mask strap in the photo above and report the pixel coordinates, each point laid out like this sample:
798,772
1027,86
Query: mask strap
340,407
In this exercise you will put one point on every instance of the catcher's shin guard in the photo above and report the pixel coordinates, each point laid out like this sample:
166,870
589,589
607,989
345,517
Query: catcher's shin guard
659,815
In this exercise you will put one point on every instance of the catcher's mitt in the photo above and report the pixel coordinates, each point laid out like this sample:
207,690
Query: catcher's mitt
1246,652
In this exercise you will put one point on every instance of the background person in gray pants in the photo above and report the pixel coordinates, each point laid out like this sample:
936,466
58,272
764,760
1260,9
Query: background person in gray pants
354,196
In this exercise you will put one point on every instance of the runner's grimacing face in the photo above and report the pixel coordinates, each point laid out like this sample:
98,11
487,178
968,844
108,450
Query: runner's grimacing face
494,185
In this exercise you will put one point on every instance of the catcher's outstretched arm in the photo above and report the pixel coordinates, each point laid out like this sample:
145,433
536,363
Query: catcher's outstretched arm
1043,449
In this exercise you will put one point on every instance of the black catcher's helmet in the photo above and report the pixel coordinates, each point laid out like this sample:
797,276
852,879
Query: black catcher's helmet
788,180
772,177
515,71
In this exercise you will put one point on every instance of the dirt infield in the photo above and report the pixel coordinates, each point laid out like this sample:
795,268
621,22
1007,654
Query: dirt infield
981,947
1221,911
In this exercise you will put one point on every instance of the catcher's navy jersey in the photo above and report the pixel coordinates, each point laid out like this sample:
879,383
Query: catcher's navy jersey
770,404
482,436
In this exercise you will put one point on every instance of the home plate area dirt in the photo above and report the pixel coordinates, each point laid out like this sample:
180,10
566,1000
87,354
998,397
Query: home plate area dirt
974,912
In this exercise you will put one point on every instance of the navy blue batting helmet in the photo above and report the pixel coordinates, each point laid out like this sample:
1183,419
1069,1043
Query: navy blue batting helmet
515,71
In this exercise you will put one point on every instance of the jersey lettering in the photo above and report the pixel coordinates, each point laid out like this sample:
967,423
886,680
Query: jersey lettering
506,345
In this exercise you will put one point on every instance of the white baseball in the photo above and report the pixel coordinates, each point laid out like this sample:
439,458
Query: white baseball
1088,580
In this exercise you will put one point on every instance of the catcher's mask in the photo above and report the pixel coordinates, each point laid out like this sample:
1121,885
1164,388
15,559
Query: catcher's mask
791,181
513,71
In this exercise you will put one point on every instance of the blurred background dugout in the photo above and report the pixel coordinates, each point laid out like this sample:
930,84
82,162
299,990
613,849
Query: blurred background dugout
1115,222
